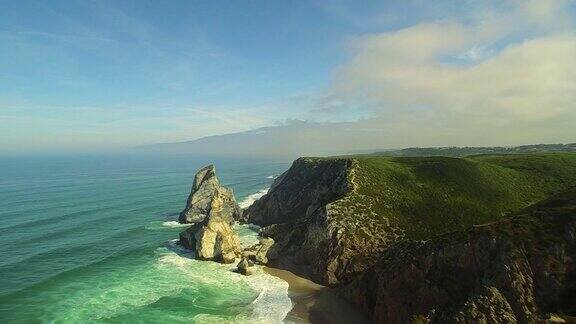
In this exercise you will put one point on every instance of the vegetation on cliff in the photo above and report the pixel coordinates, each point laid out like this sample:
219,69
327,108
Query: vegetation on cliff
467,151
337,215
517,269
414,198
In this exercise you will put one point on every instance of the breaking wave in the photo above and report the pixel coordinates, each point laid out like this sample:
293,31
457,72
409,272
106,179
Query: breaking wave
174,224
252,198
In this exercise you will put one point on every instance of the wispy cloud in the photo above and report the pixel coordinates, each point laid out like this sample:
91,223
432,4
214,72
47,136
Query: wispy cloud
94,127
411,72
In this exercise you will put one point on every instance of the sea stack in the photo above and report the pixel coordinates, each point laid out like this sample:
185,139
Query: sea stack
212,209
203,190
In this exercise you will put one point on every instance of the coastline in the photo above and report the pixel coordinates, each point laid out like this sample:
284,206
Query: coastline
314,303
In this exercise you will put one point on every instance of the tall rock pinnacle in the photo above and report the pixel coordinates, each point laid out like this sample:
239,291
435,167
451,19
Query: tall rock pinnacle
199,202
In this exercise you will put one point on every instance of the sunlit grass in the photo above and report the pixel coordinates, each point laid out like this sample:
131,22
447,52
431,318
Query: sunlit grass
416,198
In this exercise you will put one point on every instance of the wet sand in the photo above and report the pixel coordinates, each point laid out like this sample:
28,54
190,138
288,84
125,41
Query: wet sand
314,303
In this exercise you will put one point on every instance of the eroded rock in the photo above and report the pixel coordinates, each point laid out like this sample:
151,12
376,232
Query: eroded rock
213,238
261,252
296,214
200,199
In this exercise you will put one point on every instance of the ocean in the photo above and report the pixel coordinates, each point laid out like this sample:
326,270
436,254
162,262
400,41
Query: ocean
92,239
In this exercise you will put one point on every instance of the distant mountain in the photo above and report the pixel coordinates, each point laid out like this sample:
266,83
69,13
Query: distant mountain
300,138
294,139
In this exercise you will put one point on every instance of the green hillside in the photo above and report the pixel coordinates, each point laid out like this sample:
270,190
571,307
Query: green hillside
417,197
454,151
525,261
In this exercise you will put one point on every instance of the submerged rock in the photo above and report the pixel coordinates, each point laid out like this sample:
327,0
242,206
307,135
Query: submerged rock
243,267
200,200
213,238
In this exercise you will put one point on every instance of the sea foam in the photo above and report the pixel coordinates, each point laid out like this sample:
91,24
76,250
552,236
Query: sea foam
270,300
273,302
174,224
252,198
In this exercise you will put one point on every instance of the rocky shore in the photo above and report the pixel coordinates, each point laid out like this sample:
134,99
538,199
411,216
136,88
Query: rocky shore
211,210
408,240
491,268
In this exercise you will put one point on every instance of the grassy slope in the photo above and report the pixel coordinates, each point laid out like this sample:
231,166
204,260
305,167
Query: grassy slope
535,244
404,197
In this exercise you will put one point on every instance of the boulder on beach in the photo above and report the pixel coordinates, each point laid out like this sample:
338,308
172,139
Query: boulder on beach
200,199
261,252
243,267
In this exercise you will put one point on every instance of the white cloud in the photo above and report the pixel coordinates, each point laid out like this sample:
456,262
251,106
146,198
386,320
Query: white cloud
515,76
504,75
501,73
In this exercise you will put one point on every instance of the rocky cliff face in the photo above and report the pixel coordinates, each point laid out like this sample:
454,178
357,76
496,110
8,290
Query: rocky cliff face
212,208
515,270
200,199
213,238
375,228
298,214
309,184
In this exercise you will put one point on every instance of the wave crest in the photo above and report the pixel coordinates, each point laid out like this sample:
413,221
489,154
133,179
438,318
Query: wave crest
248,201
174,224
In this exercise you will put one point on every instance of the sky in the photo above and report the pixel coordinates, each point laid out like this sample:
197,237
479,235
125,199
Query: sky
98,75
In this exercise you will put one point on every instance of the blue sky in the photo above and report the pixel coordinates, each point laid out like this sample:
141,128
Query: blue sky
112,74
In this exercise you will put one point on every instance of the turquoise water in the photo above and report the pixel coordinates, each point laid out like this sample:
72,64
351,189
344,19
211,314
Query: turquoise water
90,239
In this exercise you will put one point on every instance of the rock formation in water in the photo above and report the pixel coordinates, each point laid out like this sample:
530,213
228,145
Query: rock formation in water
214,238
213,209
200,200
515,270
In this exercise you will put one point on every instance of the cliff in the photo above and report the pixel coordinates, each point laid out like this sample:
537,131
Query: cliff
310,184
297,213
332,218
514,270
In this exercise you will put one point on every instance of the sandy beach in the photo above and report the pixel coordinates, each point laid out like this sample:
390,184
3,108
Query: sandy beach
314,303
